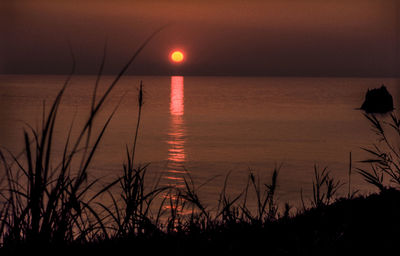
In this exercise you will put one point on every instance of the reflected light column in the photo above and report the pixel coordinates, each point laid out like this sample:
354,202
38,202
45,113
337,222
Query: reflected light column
177,132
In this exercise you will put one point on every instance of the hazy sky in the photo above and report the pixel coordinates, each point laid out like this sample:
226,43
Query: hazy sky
232,37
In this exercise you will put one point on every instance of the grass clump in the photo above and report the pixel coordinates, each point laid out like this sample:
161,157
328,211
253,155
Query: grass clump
384,158
54,207
51,207
47,204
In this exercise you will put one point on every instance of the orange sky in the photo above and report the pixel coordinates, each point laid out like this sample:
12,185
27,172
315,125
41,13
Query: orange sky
285,37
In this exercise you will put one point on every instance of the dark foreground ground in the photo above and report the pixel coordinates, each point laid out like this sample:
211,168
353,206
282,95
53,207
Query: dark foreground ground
359,226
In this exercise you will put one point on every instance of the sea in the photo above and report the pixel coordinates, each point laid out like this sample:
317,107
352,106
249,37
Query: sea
214,131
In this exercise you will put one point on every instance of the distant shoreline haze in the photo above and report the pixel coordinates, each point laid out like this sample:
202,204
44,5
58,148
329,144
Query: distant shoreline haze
210,75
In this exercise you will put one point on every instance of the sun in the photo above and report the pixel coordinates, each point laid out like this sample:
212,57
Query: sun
177,56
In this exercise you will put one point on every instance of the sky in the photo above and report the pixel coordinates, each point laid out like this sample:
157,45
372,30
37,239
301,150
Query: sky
232,37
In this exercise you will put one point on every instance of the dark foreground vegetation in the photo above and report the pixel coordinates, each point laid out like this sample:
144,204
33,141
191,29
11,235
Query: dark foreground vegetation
56,208
361,226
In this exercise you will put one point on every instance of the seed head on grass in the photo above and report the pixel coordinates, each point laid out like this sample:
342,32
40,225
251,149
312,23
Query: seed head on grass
46,204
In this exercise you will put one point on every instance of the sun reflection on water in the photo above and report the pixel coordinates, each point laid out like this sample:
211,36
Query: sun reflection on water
176,134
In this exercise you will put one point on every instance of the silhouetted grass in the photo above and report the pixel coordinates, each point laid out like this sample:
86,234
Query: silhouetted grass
50,208
54,208
42,204
385,154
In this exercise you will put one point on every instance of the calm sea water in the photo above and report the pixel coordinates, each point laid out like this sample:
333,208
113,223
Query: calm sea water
210,126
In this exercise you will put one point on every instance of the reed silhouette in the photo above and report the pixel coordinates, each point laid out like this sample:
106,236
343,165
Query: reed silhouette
46,208
385,154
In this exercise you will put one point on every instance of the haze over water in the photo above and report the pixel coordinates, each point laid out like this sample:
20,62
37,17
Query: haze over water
210,126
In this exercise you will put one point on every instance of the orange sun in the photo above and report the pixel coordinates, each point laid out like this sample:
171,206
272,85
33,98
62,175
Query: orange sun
177,56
